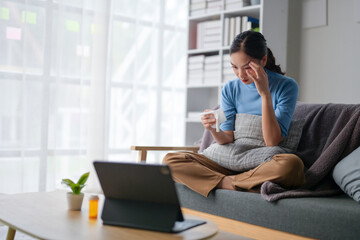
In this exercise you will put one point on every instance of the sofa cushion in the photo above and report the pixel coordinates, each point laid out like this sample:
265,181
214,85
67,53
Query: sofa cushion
249,149
291,141
347,174
335,217
249,126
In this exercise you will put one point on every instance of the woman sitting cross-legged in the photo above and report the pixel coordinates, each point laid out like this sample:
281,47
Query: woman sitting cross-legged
258,106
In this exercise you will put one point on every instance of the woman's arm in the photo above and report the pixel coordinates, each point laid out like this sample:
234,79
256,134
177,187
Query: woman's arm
270,126
221,137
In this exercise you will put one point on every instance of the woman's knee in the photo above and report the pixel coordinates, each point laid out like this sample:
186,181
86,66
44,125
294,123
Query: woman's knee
290,167
171,158
288,161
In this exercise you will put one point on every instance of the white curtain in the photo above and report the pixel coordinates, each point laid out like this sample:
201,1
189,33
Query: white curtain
85,79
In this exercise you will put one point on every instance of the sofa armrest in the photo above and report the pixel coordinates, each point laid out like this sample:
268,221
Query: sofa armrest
143,150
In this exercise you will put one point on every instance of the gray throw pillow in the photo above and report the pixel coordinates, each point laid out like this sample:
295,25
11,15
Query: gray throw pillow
249,149
250,126
347,174
291,141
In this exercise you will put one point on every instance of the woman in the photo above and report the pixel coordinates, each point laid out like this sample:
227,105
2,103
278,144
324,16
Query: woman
261,89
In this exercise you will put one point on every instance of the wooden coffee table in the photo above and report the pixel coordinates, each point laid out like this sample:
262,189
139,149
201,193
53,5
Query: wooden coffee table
44,215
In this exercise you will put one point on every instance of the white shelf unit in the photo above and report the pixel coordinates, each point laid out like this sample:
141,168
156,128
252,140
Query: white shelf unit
200,95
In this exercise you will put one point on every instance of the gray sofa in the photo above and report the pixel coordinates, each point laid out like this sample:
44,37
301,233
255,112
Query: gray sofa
335,217
319,209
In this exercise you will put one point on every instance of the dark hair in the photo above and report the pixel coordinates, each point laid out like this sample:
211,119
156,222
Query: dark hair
254,45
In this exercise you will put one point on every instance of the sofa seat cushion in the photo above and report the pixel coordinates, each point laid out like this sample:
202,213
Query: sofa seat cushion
334,217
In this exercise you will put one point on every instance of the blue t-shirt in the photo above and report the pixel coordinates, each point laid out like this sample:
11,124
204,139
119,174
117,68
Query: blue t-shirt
236,97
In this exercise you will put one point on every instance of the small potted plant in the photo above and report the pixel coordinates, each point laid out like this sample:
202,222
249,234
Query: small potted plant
75,198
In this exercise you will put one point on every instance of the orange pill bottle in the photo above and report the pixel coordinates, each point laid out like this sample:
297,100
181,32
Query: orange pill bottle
93,206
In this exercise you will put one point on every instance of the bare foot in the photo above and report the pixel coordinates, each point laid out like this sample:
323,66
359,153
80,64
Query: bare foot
226,183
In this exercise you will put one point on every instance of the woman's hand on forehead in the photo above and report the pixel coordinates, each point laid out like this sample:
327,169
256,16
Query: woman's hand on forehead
260,78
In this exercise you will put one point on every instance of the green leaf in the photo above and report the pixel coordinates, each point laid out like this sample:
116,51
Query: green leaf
67,182
83,178
76,189
81,187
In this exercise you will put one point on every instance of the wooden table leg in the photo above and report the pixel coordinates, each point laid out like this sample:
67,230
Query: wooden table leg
11,234
142,155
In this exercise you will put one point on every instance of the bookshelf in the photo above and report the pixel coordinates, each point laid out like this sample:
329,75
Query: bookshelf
212,24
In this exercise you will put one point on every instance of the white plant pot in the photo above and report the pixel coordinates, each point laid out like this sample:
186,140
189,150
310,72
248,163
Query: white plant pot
75,201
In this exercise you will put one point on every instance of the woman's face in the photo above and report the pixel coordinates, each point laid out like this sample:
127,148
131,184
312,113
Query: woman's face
240,65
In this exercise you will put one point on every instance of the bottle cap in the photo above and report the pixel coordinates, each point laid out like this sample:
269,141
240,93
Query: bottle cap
93,197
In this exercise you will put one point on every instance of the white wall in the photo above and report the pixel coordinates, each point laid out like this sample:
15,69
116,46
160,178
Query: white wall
325,61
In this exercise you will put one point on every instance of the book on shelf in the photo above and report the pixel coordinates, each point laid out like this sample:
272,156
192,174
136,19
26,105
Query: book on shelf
195,66
205,6
212,38
213,9
231,30
214,6
208,34
210,45
235,25
197,12
236,4
212,77
226,56
195,81
246,2
226,59
215,3
249,23
196,69
212,67
228,71
197,5
228,77
211,24
226,31
204,70
212,74
212,31
212,81
196,59
196,73
212,59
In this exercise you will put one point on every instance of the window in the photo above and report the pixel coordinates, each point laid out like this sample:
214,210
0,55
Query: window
81,80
